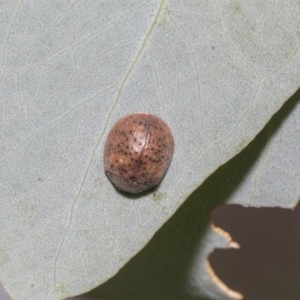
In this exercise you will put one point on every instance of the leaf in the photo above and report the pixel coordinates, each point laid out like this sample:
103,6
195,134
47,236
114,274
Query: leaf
70,70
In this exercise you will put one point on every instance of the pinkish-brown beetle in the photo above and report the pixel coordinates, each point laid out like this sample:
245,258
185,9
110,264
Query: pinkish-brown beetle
138,151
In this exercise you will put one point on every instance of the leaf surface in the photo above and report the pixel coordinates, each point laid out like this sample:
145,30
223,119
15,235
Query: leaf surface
215,72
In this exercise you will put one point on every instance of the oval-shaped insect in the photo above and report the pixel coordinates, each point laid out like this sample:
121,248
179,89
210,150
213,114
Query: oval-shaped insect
138,151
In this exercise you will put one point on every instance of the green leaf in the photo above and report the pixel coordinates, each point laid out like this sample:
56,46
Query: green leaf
215,72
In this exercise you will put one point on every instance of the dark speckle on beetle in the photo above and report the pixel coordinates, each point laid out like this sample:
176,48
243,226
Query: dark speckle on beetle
138,167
